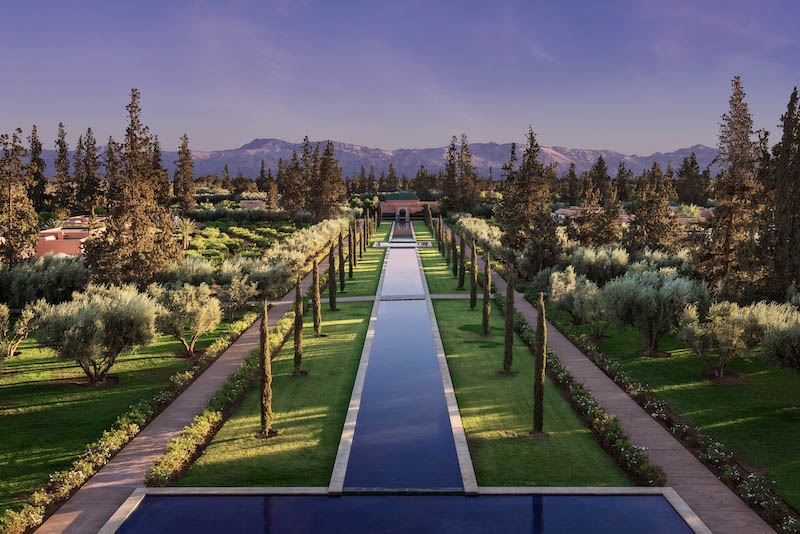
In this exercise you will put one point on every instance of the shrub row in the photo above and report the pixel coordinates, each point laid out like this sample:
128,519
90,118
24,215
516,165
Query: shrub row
756,491
249,215
63,484
53,279
183,450
605,427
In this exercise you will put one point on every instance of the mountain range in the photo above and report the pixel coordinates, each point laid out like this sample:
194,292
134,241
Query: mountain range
247,158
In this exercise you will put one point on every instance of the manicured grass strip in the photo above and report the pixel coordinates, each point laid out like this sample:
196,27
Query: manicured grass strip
309,413
368,272
48,415
437,272
756,414
497,412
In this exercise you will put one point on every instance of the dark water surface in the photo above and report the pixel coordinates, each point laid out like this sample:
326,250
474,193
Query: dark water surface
403,437
548,514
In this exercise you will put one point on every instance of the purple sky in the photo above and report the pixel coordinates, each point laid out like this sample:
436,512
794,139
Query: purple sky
633,76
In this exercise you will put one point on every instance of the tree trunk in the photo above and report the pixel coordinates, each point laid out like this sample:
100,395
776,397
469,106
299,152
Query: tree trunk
315,300
331,281
539,368
298,328
487,295
454,252
462,265
265,375
341,262
508,347
349,253
473,278
446,245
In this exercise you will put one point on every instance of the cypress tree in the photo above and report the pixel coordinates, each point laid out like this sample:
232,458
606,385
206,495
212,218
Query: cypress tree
18,225
90,187
360,240
65,189
341,262
161,185
331,280
356,245
298,328
454,253
487,295
462,264
265,375
446,244
539,369
350,252
183,179
722,260
315,300
473,279
786,199
508,346
37,188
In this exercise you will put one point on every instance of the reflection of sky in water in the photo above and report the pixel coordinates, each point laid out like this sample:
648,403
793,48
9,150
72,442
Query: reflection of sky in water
402,275
549,514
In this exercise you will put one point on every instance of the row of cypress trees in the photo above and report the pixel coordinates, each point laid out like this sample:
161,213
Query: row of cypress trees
453,248
357,238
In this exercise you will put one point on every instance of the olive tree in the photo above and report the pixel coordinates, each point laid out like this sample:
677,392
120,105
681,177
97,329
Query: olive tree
189,308
12,335
236,294
652,302
723,331
98,326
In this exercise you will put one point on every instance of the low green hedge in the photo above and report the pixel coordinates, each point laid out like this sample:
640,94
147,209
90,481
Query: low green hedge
605,427
757,491
63,484
183,450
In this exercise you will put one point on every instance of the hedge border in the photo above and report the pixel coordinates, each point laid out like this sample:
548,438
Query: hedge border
182,451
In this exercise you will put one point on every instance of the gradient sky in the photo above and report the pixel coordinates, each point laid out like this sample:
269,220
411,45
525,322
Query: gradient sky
633,76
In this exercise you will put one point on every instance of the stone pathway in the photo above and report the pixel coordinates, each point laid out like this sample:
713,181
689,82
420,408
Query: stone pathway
89,509
719,508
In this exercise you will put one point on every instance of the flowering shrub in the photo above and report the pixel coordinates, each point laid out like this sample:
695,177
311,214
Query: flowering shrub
605,427
64,483
184,449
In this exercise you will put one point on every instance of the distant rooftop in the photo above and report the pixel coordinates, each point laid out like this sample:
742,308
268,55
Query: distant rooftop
401,195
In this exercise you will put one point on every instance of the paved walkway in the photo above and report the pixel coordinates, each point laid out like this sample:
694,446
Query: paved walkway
89,509
719,508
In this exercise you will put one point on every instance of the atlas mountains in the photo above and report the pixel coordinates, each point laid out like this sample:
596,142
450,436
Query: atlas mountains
247,158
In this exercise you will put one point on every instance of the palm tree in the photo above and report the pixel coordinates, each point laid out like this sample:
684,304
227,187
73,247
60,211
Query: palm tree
186,228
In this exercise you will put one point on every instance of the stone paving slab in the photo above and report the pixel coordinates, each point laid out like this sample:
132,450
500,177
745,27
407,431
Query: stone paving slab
716,504
89,509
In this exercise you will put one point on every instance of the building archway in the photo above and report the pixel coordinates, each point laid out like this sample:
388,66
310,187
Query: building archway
402,214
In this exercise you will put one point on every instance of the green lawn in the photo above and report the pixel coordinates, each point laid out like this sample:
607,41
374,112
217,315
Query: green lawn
757,414
438,274
309,413
368,272
48,415
497,412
